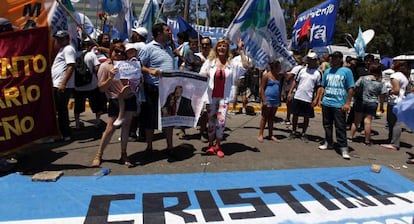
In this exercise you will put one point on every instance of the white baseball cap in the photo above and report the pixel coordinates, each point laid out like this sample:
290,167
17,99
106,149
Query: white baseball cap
141,31
312,55
129,46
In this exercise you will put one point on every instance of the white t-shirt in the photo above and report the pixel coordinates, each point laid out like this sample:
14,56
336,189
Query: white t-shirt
91,60
294,71
403,82
306,81
65,56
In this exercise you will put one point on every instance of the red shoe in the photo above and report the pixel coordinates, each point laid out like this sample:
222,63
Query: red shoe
211,150
220,153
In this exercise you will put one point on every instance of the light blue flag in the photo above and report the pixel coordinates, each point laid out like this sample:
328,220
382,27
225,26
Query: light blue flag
360,44
260,24
149,16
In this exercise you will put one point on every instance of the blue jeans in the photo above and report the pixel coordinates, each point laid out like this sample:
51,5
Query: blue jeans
337,116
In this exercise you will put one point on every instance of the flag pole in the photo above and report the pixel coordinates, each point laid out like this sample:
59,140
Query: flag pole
198,25
160,10
75,21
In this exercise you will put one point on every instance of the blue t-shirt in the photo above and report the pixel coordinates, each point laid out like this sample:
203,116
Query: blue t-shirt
153,55
336,82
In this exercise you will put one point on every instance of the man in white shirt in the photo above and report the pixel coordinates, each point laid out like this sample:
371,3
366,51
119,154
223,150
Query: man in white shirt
304,84
62,71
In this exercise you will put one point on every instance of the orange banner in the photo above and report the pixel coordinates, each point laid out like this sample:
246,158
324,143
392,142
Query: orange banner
26,103
25,14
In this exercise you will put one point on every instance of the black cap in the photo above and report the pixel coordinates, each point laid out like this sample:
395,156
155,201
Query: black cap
337,54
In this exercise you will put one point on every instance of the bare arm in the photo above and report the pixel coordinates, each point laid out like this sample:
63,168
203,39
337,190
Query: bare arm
262,89
68,73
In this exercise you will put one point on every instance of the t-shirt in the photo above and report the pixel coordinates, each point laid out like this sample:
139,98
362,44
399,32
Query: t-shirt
403,82
306,82
65,56
336,82
91,60
154,55
371,88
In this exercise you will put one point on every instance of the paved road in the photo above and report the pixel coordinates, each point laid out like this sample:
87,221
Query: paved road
242,151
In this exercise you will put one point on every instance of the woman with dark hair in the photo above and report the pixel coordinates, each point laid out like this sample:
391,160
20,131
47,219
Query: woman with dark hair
270,95
112,87
370,87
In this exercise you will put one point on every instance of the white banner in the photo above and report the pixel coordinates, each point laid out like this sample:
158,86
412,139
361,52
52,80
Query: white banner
181,98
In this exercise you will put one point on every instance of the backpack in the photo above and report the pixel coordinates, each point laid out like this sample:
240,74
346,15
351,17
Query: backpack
82,74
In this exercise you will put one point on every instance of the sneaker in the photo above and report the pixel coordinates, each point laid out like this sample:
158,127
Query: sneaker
304,138
368,143
291,136
66,139
244,111
171,157
345,155
325,146
287,122
118,122
220,153
211,150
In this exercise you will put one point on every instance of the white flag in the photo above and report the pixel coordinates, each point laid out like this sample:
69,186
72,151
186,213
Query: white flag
261,26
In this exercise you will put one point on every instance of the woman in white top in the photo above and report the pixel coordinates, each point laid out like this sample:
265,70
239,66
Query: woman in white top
222,74
399,82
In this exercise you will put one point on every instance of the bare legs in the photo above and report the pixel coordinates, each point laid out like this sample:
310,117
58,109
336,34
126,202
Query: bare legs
268,114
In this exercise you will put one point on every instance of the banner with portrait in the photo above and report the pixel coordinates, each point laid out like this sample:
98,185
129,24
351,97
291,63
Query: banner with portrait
26,103
182,97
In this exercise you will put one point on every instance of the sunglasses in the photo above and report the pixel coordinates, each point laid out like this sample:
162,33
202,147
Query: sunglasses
221,75
205,44
119,52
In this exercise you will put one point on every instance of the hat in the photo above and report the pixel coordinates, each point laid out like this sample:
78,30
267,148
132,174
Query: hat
61,34
129,46
141,31
312,55
337,54
6,25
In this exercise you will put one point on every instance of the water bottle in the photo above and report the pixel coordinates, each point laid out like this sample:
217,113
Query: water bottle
102,172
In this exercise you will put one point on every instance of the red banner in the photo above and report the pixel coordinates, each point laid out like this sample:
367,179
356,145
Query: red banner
26,99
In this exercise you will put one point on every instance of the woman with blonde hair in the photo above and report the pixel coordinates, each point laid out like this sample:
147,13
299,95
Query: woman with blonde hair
222,73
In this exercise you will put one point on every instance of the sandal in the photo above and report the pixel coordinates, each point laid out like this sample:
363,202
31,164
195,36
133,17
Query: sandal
97,161
125,161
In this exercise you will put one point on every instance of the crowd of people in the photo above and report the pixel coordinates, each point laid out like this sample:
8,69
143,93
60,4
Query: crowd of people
126,77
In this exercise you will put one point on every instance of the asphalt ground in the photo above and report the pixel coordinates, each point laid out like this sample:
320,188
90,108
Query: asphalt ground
242,151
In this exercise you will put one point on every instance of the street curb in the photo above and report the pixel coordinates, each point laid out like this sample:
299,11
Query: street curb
255,106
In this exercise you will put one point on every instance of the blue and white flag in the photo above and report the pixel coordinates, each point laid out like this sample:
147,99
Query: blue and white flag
360,44
149,16
214,33
261,26
322,28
